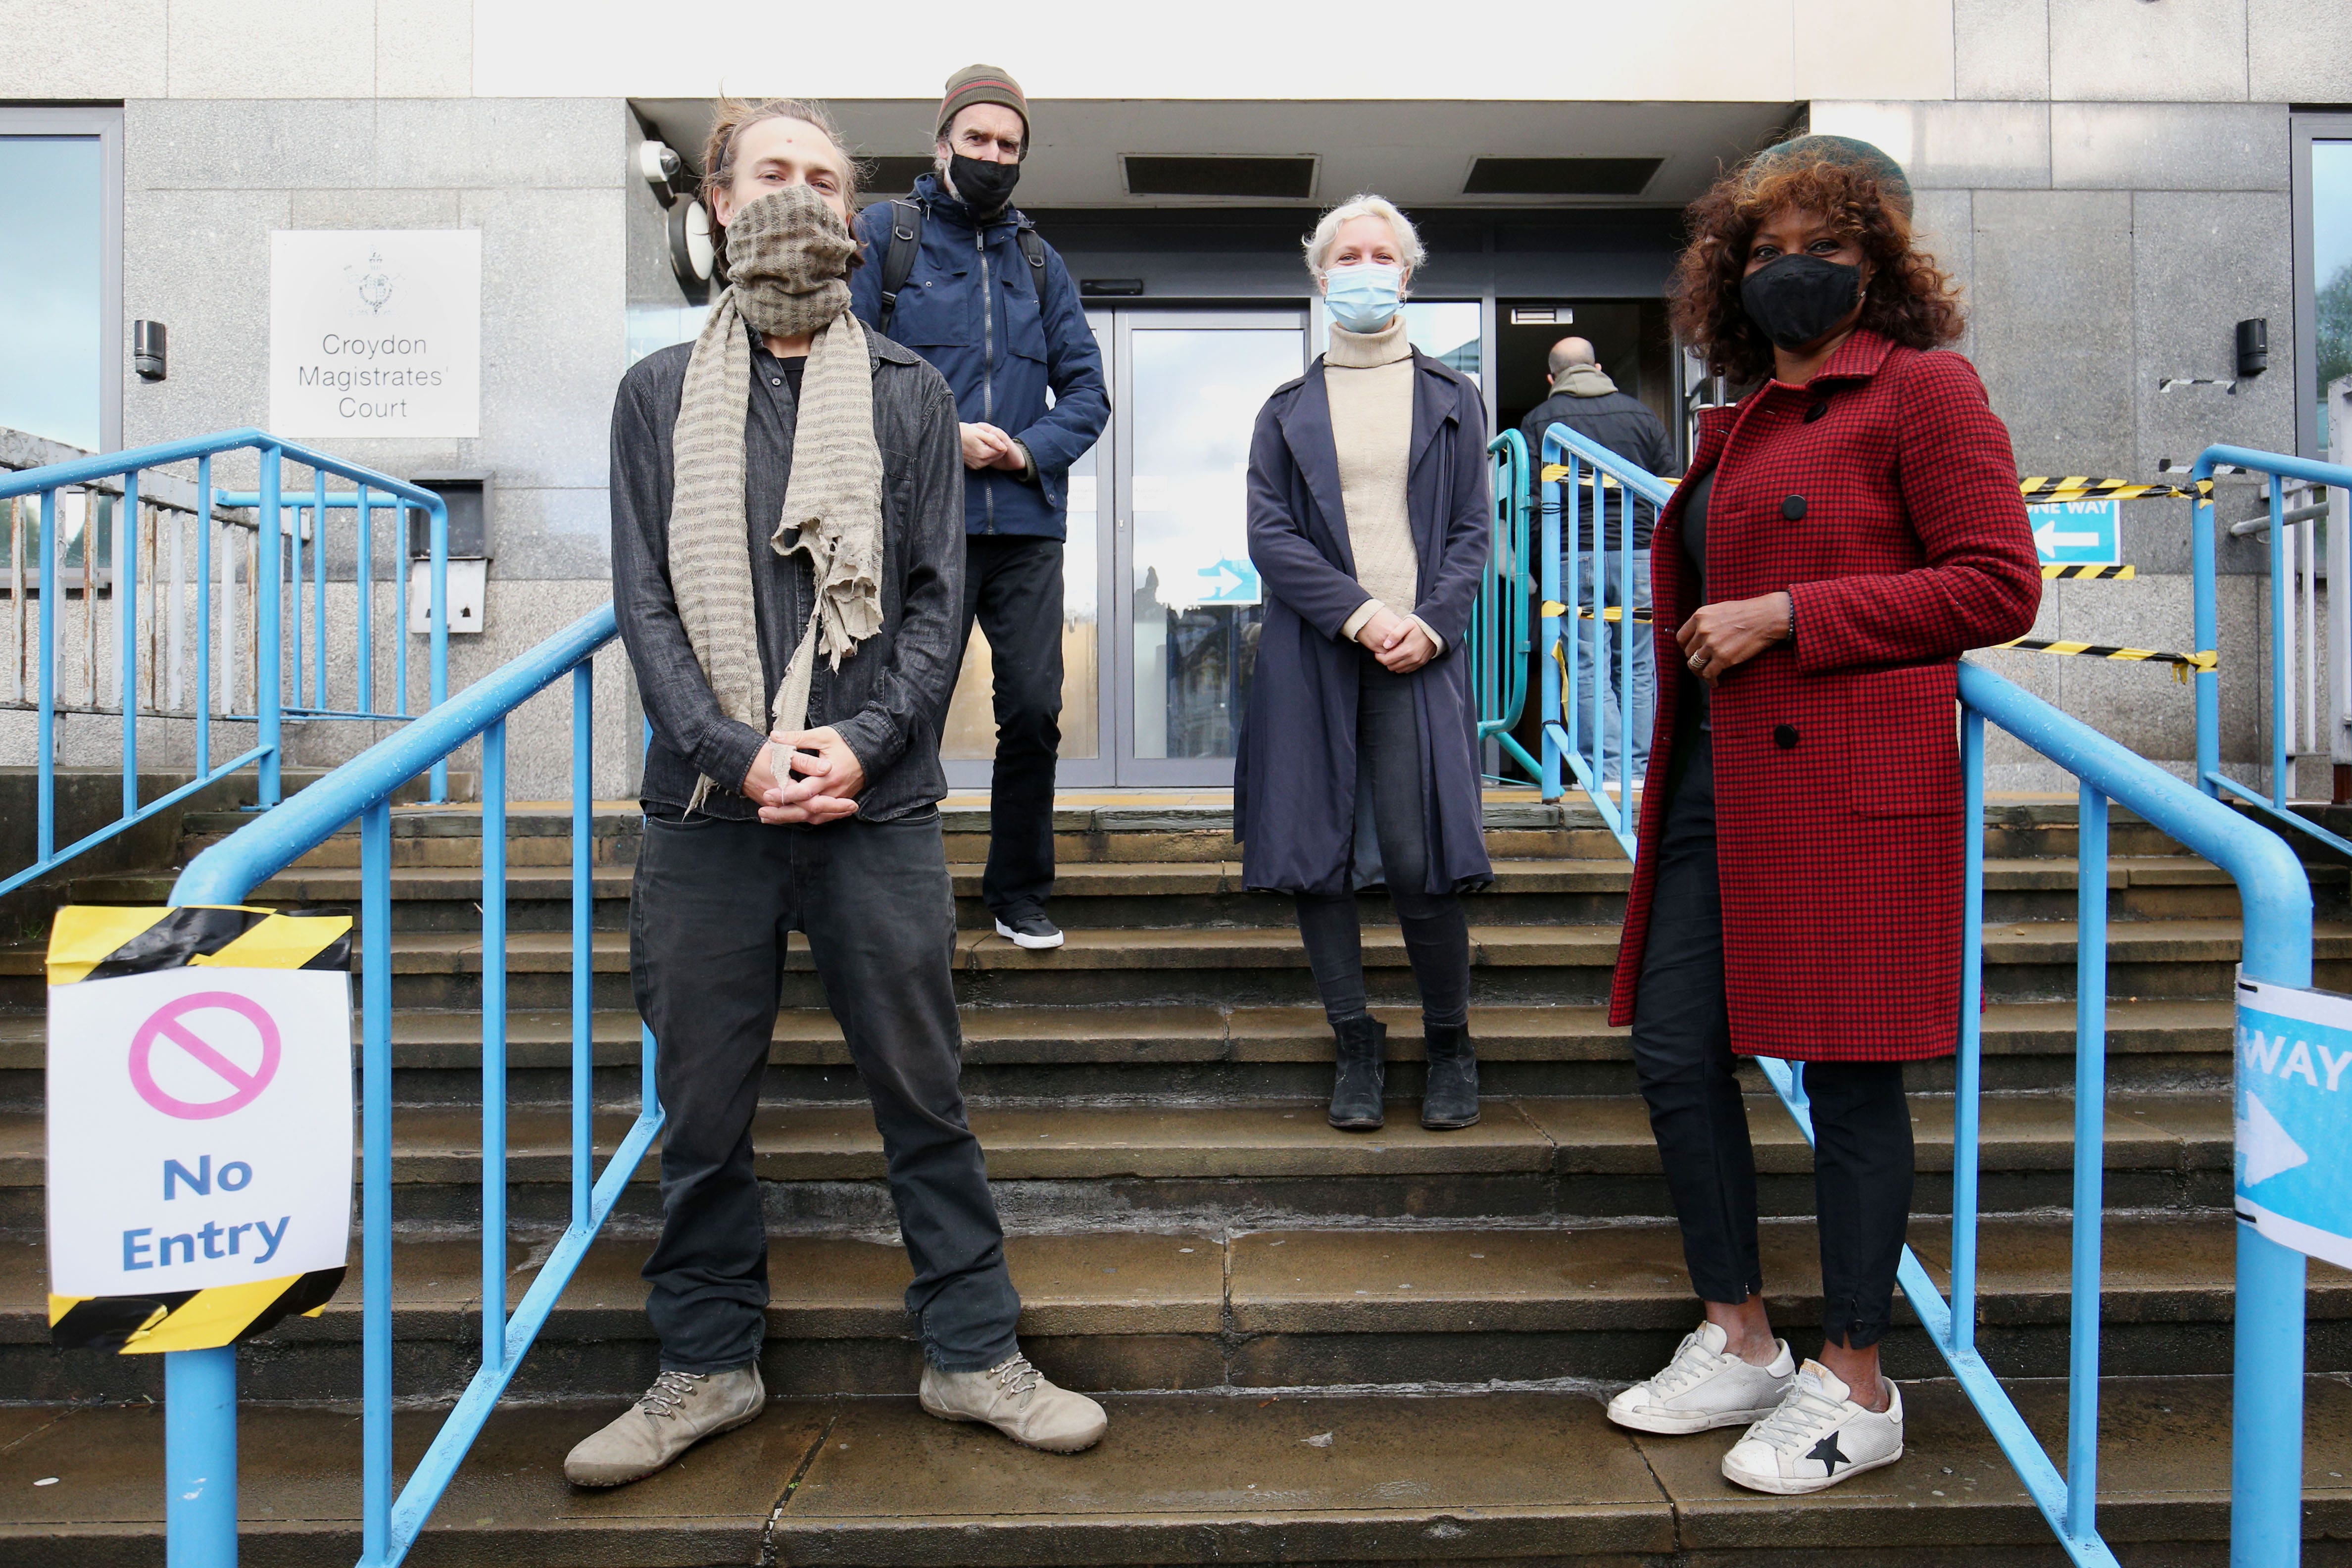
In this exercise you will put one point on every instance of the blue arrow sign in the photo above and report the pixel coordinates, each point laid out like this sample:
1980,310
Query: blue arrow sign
2078,532
1230,582
2294,1117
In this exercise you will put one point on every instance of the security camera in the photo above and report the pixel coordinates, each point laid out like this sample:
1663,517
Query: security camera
664,171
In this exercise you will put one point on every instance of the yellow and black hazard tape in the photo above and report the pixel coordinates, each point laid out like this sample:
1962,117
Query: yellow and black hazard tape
2089,573
1608,613
2045,489
2184,665
105,943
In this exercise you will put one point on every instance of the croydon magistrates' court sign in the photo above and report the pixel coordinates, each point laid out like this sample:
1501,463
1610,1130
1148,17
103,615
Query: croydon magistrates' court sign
375,332
2295,1117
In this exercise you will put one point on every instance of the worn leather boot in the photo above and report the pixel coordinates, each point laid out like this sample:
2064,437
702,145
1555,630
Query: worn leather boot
1363,1073
1450,1099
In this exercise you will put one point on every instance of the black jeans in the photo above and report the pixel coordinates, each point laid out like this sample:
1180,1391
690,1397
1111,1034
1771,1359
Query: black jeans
1013,587
1436,933
1681,1055
707,915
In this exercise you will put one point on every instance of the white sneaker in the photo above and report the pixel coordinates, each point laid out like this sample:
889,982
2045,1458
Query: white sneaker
1817,1438
1702,1388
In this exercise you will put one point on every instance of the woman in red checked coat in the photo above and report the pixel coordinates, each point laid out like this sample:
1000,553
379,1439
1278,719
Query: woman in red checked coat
1844,533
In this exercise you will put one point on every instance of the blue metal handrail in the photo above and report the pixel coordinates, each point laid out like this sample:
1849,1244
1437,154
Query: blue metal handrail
1587,473
1499,621
279,547
2267,1438
200,1410
2276,465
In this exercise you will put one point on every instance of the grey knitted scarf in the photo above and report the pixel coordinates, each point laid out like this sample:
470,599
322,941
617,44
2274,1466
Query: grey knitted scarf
788,258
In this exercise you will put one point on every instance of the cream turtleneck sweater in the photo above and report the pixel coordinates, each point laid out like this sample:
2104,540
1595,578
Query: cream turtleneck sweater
1368,378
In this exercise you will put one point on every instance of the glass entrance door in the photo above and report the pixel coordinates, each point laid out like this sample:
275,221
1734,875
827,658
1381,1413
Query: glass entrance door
1161,603
1188,389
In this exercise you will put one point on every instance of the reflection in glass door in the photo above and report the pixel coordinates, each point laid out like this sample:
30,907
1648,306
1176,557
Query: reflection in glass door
1187,390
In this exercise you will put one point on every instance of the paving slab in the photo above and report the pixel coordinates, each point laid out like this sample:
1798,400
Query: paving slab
1191,1478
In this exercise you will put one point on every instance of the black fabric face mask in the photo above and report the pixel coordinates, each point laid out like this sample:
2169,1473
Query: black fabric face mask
1795,299
983,187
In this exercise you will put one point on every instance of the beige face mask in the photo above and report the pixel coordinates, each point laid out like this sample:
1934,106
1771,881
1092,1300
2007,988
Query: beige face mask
788,256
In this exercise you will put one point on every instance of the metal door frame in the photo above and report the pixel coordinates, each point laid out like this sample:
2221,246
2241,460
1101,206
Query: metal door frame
1215,772
103,125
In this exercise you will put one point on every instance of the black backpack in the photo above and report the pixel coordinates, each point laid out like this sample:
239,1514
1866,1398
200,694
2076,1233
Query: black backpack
907,242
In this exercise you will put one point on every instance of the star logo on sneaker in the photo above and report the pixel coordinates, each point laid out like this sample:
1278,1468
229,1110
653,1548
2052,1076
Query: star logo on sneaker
1830,1455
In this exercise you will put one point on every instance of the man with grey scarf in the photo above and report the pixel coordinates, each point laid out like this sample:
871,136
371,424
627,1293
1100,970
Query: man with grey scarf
787,570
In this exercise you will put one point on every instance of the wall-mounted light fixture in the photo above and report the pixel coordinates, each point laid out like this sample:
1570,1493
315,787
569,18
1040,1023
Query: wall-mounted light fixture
2253,346
149,350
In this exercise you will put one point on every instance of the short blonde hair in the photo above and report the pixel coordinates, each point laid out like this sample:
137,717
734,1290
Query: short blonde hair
1327,230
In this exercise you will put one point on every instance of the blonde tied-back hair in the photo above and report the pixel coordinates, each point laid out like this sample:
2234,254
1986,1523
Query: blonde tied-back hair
1327,230
737,113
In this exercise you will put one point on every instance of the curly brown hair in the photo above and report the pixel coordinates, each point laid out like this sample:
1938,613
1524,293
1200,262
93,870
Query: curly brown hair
1909,297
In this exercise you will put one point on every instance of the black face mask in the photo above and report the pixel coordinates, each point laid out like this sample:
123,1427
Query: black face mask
983,187
1794,299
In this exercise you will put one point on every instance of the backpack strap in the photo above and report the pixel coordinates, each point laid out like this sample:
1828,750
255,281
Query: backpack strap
898,262
1033,245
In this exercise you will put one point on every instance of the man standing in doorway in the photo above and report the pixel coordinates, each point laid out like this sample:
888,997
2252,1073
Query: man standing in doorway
961,276
787,575
1584,399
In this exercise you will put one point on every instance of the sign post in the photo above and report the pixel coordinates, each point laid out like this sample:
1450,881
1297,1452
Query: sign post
199,1088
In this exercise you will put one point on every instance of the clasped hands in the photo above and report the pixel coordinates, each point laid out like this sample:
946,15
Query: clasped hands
820,783
1720,638
1398,642
986,446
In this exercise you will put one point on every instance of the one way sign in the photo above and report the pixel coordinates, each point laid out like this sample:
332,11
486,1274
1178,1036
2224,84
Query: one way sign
2078,532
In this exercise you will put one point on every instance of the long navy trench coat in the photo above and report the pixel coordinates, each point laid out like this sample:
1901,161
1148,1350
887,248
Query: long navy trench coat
1295,778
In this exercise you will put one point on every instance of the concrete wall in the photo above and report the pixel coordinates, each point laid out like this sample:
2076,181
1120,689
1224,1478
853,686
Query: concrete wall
544,180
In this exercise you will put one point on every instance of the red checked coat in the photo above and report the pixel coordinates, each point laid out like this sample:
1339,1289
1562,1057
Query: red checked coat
1883,498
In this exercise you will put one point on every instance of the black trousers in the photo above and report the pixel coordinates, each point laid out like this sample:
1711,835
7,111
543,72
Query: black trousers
707,915
1436,933
1013,587
1681,1055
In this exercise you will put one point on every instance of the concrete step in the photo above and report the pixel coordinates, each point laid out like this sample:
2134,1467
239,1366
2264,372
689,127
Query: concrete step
1522,1475
1203,1308
1154,1055
1250,966
1098,1167
1183,893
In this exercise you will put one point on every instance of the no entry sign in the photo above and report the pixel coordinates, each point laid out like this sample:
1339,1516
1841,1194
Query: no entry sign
199,1128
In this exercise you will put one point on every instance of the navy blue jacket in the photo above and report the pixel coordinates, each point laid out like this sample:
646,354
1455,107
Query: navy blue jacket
1295,778
970,307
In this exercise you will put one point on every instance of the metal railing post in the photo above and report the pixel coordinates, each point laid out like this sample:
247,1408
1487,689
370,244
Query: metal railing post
438,528
1968,1105
584,951
363,581
2090,1162
494,1045
126,630
1549,639
271,521
203,703
2203,631
200,1457
44,840
375,1193
2281,682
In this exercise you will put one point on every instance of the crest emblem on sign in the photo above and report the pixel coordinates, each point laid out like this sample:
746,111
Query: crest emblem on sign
374,283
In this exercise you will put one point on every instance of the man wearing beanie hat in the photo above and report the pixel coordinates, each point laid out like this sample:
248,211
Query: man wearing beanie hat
959,274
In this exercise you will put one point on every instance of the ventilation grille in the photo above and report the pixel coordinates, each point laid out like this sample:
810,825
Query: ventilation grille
1559,177
1266,179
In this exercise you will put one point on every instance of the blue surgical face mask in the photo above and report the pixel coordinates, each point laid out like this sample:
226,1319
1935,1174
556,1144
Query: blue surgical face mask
1363,297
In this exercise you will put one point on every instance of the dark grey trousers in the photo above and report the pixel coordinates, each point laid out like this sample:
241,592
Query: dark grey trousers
1436,931
707,915
1013,587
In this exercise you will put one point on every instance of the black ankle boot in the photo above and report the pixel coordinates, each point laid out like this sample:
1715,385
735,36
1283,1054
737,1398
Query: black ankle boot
1450,1099
1363,1073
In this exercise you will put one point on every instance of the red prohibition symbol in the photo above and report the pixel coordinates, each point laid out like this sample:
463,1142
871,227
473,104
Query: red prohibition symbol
171,1023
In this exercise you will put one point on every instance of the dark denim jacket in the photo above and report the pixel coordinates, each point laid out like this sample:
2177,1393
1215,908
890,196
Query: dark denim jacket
889,697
